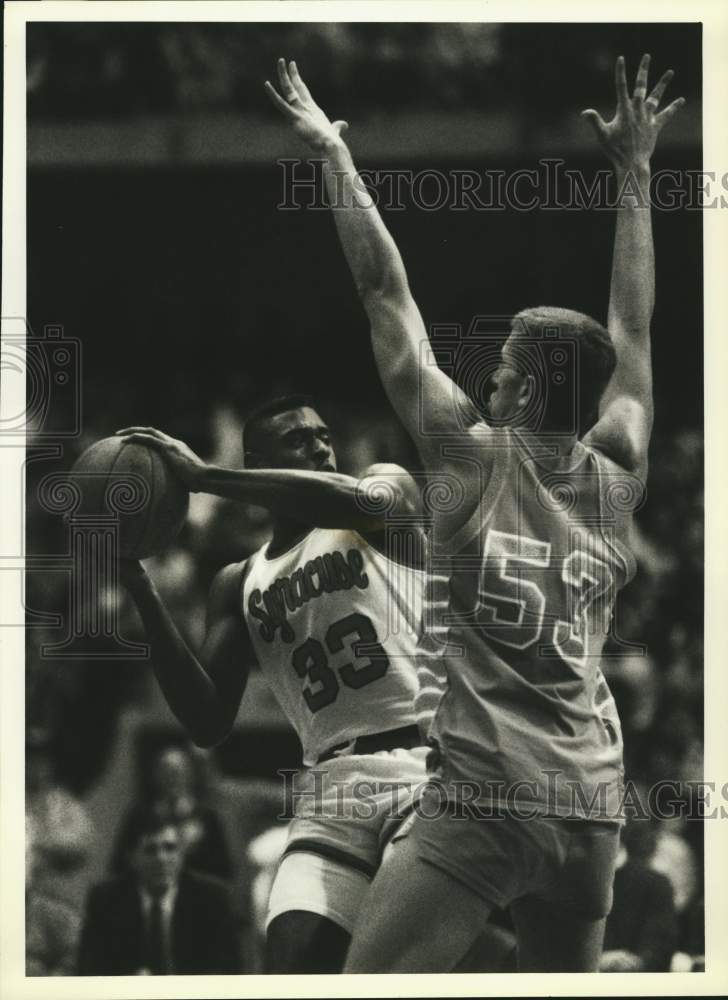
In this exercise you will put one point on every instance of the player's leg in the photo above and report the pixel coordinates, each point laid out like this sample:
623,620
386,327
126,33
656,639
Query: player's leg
561,927
312,908
552,938
415,917
303,942
494,950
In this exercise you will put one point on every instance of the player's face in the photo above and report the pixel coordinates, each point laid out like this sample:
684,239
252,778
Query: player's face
299,439
157,859
509,387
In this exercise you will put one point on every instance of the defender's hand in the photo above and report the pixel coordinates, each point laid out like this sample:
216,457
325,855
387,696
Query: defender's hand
629,138
185,464
306,117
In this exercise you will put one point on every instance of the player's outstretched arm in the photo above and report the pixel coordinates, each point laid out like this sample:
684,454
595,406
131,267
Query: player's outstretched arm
626,412
203,690
323,499
406,363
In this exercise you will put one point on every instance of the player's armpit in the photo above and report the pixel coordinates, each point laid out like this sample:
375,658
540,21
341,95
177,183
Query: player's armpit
622,433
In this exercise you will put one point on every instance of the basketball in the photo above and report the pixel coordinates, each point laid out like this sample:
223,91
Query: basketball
135,483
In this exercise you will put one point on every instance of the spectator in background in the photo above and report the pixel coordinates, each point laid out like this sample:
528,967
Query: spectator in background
158,919
63,833
641,932
51,927
174,790
673,857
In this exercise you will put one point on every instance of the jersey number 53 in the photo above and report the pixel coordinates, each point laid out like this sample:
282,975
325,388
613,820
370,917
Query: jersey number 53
513,607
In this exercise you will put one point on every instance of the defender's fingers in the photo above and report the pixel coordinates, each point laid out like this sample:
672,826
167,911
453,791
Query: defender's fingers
640,87
289,91
276,99
298,83
596,121
620,81
659,89
664,116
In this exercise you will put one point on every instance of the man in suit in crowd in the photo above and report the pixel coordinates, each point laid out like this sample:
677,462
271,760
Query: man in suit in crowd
158,919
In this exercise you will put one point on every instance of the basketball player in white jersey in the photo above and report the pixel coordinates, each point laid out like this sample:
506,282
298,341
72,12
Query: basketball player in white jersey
523,581
330,610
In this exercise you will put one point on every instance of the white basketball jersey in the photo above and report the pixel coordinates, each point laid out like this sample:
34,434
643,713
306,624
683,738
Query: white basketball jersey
334,624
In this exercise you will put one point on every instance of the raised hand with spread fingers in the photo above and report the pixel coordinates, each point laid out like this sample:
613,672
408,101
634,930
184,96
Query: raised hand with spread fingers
629,138
306,117
626,408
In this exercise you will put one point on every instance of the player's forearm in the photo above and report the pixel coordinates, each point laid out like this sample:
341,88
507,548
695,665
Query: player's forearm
632,294
370,251
325,499
188,690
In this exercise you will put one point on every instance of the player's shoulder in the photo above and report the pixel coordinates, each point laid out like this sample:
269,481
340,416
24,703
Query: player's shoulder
390,486
390,472
384,469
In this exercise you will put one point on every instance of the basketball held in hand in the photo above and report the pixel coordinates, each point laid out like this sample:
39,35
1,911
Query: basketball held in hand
133,482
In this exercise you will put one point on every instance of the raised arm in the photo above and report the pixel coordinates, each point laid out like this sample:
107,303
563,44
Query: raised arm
410,375
203,689
323,499
626,411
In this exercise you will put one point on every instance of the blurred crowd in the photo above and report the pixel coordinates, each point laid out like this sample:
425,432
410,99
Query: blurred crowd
219,824
84,70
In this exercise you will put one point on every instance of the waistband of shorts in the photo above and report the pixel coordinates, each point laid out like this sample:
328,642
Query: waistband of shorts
404,738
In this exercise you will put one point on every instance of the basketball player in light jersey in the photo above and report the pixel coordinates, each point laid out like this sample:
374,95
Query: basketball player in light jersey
330,609
522,581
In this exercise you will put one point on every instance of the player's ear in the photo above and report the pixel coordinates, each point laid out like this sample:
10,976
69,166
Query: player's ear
526,392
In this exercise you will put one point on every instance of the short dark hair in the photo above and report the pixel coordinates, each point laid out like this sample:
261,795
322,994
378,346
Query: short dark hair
597,359
270,408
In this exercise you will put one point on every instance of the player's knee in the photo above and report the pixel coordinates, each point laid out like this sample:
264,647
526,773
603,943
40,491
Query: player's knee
302,942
